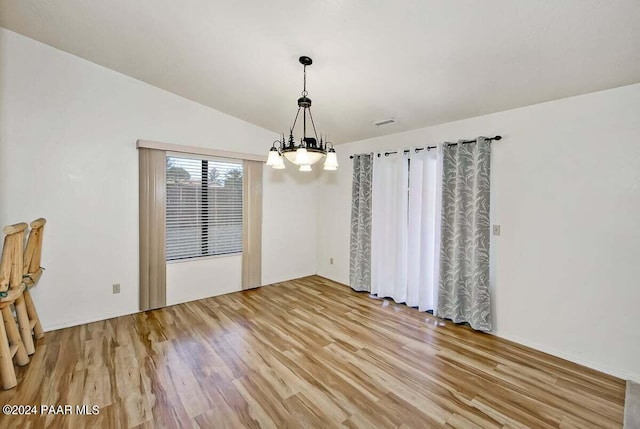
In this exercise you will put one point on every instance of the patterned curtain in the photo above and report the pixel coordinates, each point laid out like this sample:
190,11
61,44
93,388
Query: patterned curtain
463,292
360,257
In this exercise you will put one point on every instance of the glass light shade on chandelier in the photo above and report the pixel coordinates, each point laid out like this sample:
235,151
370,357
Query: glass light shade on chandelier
279,164
302,157
309,150
331,162
273,157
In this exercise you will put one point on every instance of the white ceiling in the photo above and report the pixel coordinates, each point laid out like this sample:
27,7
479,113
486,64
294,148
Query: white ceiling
422,62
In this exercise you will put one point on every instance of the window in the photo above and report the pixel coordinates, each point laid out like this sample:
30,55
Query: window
204,207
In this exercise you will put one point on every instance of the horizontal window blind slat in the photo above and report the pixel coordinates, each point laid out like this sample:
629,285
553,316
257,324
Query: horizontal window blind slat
203,207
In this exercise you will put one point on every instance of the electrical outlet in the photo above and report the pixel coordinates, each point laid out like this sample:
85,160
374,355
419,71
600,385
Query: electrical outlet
331,261
496,229
116,288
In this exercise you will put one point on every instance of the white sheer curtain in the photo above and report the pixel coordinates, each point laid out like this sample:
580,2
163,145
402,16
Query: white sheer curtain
405,227
424,229
389,226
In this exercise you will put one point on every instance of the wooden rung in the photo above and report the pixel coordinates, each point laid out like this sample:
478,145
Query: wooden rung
13,349
32,323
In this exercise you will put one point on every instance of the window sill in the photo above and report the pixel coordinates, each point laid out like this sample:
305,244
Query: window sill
200,258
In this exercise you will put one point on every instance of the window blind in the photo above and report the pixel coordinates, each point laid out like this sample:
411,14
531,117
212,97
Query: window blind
204,207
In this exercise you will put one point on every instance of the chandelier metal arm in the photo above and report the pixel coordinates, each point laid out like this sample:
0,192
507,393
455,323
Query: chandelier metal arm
295,120
314,125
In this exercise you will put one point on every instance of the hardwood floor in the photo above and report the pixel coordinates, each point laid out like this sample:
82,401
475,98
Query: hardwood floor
304,353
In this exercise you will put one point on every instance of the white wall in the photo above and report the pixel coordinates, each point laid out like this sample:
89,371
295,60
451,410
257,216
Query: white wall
289,224
566,191
68,130
202,278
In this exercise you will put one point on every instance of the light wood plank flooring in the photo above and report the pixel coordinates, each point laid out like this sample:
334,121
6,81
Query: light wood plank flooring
304,353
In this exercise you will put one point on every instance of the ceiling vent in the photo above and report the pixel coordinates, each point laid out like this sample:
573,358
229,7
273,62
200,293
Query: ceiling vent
384,122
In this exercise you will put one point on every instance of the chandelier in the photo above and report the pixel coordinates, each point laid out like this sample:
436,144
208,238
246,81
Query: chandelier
310,150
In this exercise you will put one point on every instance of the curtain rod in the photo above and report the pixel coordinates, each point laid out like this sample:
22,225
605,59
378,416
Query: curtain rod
418,149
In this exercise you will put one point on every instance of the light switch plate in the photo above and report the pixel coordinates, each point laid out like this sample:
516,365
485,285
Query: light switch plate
116,288
496,229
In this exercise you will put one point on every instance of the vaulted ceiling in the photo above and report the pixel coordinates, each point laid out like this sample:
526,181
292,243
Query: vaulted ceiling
421,62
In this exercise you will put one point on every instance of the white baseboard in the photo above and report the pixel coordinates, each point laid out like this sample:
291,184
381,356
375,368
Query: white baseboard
269,283
616,372
55,327
69,324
